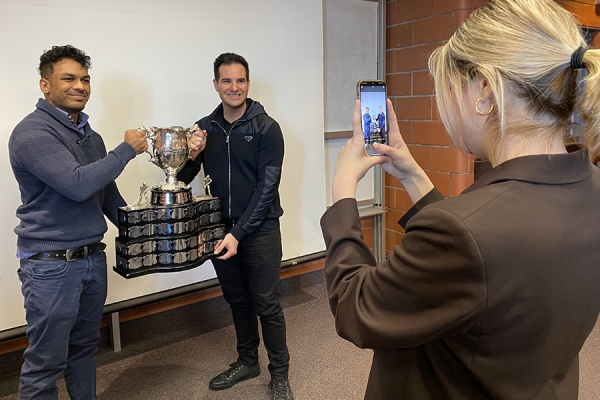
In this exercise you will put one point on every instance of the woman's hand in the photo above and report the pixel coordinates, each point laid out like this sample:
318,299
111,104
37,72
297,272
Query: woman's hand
400,163
352,162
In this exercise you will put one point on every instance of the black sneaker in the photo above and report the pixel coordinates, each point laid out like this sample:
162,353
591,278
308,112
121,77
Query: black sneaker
280,389
236,373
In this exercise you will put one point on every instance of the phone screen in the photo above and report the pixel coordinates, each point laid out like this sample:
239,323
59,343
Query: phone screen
374,119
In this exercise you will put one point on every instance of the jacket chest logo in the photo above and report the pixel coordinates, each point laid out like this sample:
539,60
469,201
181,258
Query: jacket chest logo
248,138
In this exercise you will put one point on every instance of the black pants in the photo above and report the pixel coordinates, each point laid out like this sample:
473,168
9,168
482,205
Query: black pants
250,284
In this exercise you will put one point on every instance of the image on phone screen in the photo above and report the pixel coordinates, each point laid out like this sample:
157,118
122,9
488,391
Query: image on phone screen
374,113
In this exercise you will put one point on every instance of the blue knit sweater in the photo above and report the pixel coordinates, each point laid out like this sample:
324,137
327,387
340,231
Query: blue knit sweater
66,182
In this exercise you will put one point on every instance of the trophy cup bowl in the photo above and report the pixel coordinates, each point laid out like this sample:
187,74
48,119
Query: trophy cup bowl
170,153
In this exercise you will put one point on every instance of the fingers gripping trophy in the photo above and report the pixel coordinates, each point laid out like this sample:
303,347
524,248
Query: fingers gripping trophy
172,230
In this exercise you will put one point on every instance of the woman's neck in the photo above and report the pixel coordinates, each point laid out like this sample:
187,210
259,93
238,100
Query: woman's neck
530,144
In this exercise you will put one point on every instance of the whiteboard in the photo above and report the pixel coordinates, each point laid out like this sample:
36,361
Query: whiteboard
350,42
152,65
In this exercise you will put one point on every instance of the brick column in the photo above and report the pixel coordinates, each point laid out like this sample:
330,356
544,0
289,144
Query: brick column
413,29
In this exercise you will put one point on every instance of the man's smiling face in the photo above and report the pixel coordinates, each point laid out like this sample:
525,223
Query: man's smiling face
68,88
232,86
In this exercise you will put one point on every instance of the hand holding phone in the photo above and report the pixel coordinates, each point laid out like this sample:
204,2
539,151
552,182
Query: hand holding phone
373,103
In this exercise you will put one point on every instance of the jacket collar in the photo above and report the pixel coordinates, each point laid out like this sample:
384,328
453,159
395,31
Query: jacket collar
551,169
253,109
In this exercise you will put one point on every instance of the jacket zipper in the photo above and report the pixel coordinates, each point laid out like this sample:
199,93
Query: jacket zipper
228,161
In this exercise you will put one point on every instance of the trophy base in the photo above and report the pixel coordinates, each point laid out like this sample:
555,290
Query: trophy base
171,253
165,197
167,238
134,273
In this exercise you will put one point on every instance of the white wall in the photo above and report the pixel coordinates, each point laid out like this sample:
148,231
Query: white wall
152,65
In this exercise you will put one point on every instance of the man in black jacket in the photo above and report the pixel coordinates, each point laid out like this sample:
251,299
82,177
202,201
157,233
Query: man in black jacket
241,149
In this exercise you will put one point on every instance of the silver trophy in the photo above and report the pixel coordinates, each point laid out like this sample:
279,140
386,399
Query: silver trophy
170,153
172,230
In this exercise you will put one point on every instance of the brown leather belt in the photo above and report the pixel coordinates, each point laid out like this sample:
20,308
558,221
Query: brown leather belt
70,254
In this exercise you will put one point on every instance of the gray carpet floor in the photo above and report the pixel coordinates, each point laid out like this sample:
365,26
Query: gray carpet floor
173,355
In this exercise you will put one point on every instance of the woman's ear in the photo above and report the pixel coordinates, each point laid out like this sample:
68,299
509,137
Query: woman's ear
482,94
482,87
484,81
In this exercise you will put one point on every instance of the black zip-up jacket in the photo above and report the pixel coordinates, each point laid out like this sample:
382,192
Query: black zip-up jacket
245,167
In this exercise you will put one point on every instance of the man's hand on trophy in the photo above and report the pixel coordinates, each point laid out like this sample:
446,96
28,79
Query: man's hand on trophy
196,143
136,139
228,244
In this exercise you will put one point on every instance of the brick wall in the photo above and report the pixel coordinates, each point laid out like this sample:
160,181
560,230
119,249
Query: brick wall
413,29
584,11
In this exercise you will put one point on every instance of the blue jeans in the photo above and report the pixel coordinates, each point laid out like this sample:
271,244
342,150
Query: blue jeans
63,305
250,284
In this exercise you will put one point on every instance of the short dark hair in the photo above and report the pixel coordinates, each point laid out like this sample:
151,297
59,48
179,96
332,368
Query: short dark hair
57,53
228,59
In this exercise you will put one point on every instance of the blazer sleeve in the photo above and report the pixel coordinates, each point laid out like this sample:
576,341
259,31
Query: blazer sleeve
431,286
433,196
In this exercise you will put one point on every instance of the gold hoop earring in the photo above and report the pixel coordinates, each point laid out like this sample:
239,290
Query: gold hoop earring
483,113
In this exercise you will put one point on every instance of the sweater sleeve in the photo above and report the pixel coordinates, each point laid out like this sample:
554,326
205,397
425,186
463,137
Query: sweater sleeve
46,157
112,201
431,286
270,160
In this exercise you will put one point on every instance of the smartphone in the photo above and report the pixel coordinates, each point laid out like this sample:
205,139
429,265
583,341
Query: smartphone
373,104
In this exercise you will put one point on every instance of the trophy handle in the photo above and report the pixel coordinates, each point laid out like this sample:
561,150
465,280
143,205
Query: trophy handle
150,135
189,132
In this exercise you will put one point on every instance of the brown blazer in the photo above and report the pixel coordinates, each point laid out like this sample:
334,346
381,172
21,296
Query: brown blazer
491,294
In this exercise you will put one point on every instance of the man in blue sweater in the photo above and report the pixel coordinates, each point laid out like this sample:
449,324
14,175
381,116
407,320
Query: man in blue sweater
67,186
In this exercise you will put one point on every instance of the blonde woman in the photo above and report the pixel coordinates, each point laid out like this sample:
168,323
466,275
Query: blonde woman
491,294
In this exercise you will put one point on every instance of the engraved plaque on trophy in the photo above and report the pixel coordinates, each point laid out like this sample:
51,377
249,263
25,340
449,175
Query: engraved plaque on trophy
172,230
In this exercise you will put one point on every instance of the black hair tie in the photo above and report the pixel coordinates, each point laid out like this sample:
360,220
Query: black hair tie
577,58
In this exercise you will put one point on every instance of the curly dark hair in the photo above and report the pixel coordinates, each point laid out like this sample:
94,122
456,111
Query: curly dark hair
228,59
51,57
